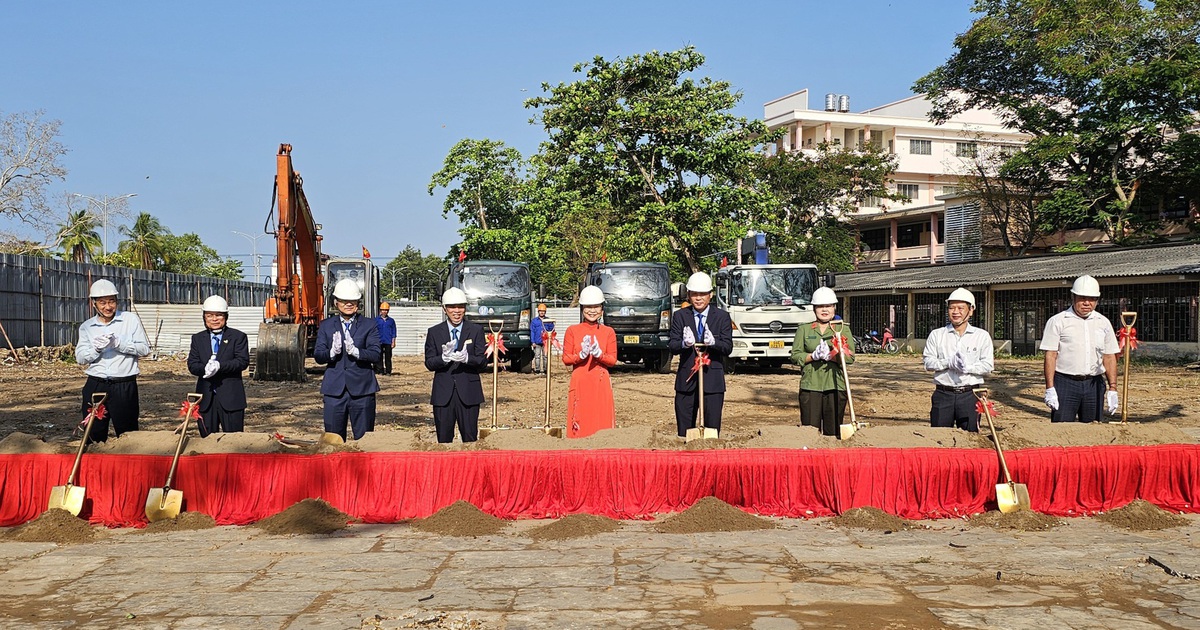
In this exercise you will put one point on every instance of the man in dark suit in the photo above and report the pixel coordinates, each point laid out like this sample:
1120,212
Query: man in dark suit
349,344
455,351
217,357
700,323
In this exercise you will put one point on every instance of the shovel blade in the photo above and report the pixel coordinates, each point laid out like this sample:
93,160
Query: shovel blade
331,439
710,434
693,434
162,504
554,432
69,498
1012,497
845,431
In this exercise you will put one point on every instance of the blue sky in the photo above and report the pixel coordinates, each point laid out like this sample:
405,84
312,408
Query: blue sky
185,104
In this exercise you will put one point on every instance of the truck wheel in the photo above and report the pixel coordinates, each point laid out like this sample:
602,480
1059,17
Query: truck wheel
523,361
663,364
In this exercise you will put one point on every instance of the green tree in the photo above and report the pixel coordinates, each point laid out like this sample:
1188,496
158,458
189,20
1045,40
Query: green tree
188,254
1110,86
146,242
412,274
77,236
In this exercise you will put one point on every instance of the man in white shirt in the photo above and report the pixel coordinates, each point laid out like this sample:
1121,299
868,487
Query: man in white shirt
1081,355
959,355
109,345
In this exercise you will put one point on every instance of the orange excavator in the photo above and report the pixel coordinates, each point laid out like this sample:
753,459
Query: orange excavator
304,279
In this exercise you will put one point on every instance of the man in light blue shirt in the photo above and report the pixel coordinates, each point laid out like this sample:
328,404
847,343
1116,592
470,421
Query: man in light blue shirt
109,345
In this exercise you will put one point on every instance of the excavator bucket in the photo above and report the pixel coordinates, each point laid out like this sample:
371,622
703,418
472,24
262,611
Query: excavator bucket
280,353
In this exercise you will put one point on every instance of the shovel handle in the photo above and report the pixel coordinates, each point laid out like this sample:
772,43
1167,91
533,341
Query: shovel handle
97,400
982,394
1128,318
837,330
193,401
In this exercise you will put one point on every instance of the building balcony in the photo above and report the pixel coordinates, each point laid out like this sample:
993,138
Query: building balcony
903,256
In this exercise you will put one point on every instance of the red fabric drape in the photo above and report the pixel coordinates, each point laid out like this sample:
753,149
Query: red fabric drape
386,487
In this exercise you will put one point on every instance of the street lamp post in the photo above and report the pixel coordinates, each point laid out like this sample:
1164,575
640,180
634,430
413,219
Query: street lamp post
392,273
254,250
103,204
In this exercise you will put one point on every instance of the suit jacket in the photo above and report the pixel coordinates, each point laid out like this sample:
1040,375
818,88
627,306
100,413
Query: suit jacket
448,377
346,374
721,326
225,387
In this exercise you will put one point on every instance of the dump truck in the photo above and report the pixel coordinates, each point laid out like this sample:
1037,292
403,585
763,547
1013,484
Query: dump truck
502,292
637,305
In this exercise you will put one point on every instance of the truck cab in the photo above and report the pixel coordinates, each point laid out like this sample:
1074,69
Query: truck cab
363,272
637,305
500,291
768,304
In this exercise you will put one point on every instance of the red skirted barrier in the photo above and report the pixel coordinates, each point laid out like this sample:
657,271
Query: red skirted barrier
387,487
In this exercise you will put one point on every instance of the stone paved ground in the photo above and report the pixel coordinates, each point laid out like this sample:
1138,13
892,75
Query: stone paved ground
806,574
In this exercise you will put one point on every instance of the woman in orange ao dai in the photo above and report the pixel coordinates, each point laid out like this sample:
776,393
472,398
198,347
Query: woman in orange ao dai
590,348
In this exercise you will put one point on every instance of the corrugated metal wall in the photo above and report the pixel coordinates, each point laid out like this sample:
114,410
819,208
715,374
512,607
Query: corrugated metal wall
170,327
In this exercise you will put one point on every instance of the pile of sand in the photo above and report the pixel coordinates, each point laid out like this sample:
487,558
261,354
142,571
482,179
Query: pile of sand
386,442
575,526
641,437
1035,434
310,516
56,526
780,436
18,442
460,519
164,443
1141,515
871,518
711,514
186,521
1021,520
920,436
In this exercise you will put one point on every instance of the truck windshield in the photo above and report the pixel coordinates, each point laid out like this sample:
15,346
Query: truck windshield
762,287
637,283
341,271
504,282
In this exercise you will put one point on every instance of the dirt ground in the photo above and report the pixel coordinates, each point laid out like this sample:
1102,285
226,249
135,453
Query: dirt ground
890,392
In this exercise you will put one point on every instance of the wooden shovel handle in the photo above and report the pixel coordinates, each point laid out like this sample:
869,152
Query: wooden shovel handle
982,394
1128,318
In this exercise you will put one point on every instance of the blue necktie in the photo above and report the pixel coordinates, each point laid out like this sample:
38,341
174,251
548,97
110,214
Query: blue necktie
700,327
346,326
454,333
216,344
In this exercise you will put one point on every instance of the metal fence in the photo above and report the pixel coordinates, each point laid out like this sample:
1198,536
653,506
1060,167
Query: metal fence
877,312
43,300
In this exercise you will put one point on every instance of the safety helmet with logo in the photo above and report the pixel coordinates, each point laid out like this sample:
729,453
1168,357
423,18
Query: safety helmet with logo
215,304
102,288
962,295
1086,286
591,296
699,282
824,296
347,290
454,296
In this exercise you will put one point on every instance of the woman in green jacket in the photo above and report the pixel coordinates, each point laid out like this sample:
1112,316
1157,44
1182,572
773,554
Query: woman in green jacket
822,383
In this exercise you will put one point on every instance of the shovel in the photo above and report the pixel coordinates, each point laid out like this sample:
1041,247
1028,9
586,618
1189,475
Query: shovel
549,346
164,503
699,431
1128,319
495,326
1010,496
70,496
845,431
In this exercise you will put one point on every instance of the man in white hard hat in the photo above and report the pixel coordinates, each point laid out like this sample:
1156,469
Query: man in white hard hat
109,345
700,322
218,356
959,355
1081,357
349,344
455,351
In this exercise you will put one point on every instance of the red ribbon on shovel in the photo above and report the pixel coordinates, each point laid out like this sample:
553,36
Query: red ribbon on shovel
839,344
187,410
495,343
552,337
991,407
100,412
1127,335
701,359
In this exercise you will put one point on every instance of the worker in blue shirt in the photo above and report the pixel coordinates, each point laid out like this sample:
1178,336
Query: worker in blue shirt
536,330
387,338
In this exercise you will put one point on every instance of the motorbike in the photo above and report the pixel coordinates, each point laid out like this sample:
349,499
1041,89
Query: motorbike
872,343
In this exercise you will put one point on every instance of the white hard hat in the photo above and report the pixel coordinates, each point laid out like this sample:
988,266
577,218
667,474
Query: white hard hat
215,304
962,295
699,282
824,296
1086,286
591,296
102,288
347,290
452,296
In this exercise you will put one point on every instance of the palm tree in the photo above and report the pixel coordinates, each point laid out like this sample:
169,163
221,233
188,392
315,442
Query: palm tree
146,241
78,237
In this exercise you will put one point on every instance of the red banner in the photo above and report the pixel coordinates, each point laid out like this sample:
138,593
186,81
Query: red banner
1128,335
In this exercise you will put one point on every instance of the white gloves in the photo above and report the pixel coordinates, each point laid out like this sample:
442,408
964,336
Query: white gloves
335,346
596,350
211,367
958,363
1111,401
708,337
1052,399
585,347
821,353
100,343
448,352
689,338
351,349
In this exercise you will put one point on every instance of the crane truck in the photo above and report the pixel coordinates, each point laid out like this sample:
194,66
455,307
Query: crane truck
637,305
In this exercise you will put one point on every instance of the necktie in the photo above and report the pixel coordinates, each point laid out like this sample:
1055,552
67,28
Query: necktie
700,327
346,327
454,333
216,344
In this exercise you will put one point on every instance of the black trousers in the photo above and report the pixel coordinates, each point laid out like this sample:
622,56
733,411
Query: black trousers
358,411
687,406
453,413
121,406
823,410
385,359
217,419
954,409
1079,401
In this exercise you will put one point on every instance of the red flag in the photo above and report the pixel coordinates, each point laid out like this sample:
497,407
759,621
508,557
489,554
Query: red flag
366,252
462,255
724,262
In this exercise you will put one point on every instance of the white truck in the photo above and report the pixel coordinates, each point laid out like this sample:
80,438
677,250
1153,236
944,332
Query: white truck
768,304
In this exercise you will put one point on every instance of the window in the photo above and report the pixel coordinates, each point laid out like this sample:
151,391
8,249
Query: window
951,190
910,235
871,201
920,147
874,240
909,190
966,149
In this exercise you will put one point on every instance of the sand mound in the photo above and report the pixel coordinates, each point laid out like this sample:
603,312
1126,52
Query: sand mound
711,514
870,518
1022,520
575,526
233,443
1140,516
55,526
1034,434
460,519
536,440
186,521
777,436
310,516
919,436
386,442
24,443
